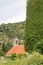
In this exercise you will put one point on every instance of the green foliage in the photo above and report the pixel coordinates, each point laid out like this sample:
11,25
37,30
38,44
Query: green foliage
35,59
2,53
32,59
20,56
13,56
39,46
13,30
7,47
33,24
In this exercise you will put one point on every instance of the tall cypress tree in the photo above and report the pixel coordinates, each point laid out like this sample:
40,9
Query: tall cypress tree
33,24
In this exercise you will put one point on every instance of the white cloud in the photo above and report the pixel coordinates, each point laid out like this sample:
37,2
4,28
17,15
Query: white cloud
12,11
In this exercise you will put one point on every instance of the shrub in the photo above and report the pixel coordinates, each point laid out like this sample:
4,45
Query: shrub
20,56
35,59
2,53
39,46
13,56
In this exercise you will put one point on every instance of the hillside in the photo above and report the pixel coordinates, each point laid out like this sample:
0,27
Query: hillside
9,31
12,30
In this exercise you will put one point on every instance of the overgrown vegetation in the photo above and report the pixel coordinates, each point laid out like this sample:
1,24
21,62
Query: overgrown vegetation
32,59
13,56
13,29
39,46
33,24
2,53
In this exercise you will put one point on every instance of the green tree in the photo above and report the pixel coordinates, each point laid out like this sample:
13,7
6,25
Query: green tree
39,46
33,24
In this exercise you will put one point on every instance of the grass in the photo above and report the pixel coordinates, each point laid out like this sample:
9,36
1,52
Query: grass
31,59
15,62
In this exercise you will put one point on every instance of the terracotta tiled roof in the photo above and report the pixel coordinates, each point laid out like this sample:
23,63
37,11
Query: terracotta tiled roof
18,49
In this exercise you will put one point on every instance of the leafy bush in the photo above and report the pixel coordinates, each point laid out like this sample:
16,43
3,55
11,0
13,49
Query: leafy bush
20,56
13,56
35,59
39,46
2,53
25,55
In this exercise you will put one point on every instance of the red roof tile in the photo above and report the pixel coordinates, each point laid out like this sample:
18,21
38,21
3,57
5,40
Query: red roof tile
18,49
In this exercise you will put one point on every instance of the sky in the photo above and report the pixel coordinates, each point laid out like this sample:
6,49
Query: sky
12,11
